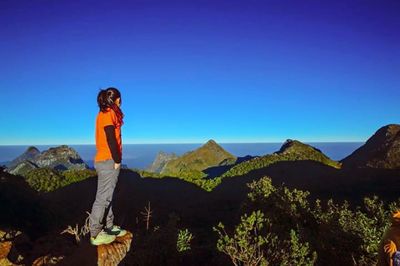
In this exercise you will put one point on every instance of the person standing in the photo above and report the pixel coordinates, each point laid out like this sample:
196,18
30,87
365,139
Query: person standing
107,163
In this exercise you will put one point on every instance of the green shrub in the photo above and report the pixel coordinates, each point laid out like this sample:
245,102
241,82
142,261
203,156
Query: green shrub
267,160
144,173
46,179
349,234
299,253
183,242
260,189
253,243
197,179
73,175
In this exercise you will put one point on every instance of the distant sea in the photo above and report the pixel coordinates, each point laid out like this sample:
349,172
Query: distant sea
142,155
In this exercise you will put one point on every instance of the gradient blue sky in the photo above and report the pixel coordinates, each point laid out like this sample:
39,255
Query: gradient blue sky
189,71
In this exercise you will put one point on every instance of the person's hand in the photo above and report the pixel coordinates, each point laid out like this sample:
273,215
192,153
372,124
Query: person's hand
117,165
390,248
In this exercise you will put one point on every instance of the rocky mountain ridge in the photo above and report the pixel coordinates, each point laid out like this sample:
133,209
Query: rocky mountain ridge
162,158
59,158
382,150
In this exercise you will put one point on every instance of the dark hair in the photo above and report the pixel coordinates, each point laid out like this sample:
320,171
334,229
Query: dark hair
106,99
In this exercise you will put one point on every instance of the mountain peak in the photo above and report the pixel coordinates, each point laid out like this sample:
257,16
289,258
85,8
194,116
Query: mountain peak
32,149
26,159
162,158
194,162
388,131
381,150
290,146
301,151
212,148
211,142
61,158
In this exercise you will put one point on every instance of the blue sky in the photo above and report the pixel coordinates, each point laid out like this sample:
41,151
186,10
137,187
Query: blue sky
189,71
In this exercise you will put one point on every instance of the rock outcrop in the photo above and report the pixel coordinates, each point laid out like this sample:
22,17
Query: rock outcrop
29,155
6,244
102,255
382,150
5,248
47,260
60,251
161,160
114,253
22,168
59,158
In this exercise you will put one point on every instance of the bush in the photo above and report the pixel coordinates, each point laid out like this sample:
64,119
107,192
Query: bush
73,175
253,243
353,235
46,179
350,235
183,242
267,160
299,253
206,184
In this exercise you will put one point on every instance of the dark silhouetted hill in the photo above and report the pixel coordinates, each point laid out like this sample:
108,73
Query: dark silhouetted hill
22,207
382,150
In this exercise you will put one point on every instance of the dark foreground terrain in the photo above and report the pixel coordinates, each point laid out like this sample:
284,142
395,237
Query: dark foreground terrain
175,204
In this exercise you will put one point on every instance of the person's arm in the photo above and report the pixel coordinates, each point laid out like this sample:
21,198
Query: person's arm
112,143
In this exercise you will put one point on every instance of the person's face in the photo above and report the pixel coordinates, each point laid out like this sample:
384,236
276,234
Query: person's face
118,102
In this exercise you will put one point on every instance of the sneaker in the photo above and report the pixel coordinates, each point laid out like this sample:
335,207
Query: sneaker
115,230
102,238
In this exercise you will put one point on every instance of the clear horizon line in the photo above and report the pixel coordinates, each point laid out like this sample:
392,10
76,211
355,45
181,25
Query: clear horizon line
172,143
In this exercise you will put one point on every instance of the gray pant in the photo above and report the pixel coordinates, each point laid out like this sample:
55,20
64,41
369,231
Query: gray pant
106,182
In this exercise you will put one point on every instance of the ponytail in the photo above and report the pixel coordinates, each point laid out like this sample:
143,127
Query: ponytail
106,99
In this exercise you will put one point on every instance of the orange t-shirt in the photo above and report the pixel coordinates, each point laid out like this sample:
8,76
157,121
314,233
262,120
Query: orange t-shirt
102,120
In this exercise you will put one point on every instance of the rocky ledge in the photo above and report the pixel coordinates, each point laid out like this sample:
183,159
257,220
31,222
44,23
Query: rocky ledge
60,252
